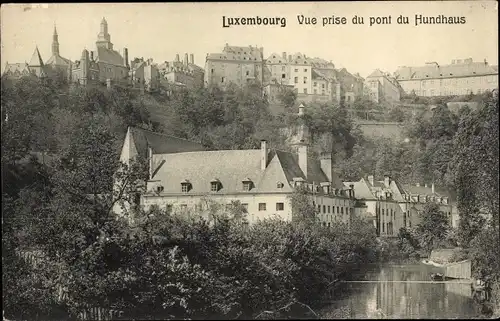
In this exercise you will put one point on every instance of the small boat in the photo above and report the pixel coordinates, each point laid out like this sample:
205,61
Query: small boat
437,277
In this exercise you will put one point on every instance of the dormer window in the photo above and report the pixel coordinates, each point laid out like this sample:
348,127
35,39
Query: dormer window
280,185
215,185
247,184
185,186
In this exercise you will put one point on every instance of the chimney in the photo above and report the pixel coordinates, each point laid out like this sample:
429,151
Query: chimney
186,59
177,58
263,154
351,190
284,55
150,159
191,59
325,161
301,110
125,56
432,188
370,179
303,158
387,181
485,62
289,58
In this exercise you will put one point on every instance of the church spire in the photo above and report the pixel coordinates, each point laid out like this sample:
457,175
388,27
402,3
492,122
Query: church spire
55,42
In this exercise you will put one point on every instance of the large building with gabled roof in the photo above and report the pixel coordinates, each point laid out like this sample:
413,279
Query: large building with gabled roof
186,178
461,77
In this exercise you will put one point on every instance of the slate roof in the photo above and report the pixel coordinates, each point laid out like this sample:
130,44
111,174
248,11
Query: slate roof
109,56
376,73
57,60
231,167
275,58
36,59
161,143
361,190
445,71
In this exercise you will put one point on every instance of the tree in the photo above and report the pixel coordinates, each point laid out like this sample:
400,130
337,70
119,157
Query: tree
303,210
287,96
434,226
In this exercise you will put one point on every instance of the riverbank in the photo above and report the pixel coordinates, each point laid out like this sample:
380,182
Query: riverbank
400,291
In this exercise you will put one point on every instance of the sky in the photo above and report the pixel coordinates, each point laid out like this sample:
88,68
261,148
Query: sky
161,30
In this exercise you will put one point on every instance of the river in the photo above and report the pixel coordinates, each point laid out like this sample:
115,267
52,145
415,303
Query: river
400,291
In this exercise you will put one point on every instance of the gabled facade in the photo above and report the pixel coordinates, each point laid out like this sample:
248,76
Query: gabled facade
378,201
379,86
391,206
416,196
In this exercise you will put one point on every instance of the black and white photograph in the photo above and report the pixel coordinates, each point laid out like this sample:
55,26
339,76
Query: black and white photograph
250,160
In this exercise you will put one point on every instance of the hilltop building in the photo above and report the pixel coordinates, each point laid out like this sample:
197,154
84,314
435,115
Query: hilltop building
234,65
461,77
313,79
144,75
35,67
262,180
381,87
183,74
104,65
56,62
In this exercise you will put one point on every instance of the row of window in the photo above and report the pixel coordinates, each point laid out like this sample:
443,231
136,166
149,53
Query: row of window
315,84
262,206
315,91
297,70
331,209
216,186
279,206
296,80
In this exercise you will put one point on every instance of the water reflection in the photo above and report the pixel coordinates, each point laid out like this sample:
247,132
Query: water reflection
406,298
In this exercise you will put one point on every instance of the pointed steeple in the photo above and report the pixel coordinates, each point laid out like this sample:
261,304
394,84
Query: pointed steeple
55,42
36,59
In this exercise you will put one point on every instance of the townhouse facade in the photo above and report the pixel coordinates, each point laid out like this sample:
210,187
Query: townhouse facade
235,65
184,74
144,74
461,77
381,87
391,206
